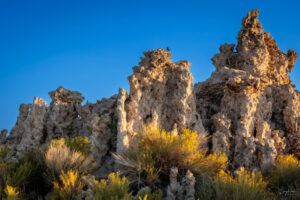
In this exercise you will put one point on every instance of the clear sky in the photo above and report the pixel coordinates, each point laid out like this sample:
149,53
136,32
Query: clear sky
91,46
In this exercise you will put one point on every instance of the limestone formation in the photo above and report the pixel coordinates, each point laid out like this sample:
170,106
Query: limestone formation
188,185
174,190
100,124
29,129
185,189
37,124
63,118
122,140
161,93
248,106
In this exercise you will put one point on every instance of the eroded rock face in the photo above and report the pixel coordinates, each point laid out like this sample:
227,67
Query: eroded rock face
249,104
185,189
28,132
161,93
100,124
37,124
63,118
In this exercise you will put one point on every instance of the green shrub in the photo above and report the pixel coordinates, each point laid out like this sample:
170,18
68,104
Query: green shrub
247,186
286,175
148,194
69,187
21,175
80,144
36,186
115,188
5,154
156,151
204,188
4,173
13,173
25,173
5,165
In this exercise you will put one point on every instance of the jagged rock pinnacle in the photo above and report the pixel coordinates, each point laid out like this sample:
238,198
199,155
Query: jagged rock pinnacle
248,106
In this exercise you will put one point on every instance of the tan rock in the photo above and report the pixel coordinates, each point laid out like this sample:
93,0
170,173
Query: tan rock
249,105
161,93
28,132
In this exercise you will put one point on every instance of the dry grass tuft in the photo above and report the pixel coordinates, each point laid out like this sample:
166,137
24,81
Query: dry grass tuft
59,157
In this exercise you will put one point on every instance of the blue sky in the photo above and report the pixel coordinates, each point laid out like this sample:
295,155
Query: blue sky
91,46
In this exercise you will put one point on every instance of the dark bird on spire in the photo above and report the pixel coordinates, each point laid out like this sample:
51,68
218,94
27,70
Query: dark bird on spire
168,49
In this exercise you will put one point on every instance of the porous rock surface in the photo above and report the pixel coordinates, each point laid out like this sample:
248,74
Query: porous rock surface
185,189
161,93
248,106
37,124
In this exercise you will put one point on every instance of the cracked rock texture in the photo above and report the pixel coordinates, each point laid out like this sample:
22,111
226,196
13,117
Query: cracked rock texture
185,189
248,106
37,124
161,93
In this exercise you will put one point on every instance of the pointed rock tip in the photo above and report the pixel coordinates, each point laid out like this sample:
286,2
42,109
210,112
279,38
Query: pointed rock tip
292,57
251,20
157,53
253,13
156,58
39,101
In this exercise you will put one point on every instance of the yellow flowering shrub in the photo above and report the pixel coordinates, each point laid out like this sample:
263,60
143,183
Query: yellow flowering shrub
155,151
247,185
79,143
112,189
69,187
286,175
12,193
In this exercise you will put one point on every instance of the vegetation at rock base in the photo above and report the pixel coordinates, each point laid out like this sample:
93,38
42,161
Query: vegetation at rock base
247,185
284,180
78,144
114,188
68,154
11,193
64,169
156,151
71,186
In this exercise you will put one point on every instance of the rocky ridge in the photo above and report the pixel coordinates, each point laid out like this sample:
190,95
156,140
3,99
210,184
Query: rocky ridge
248,107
